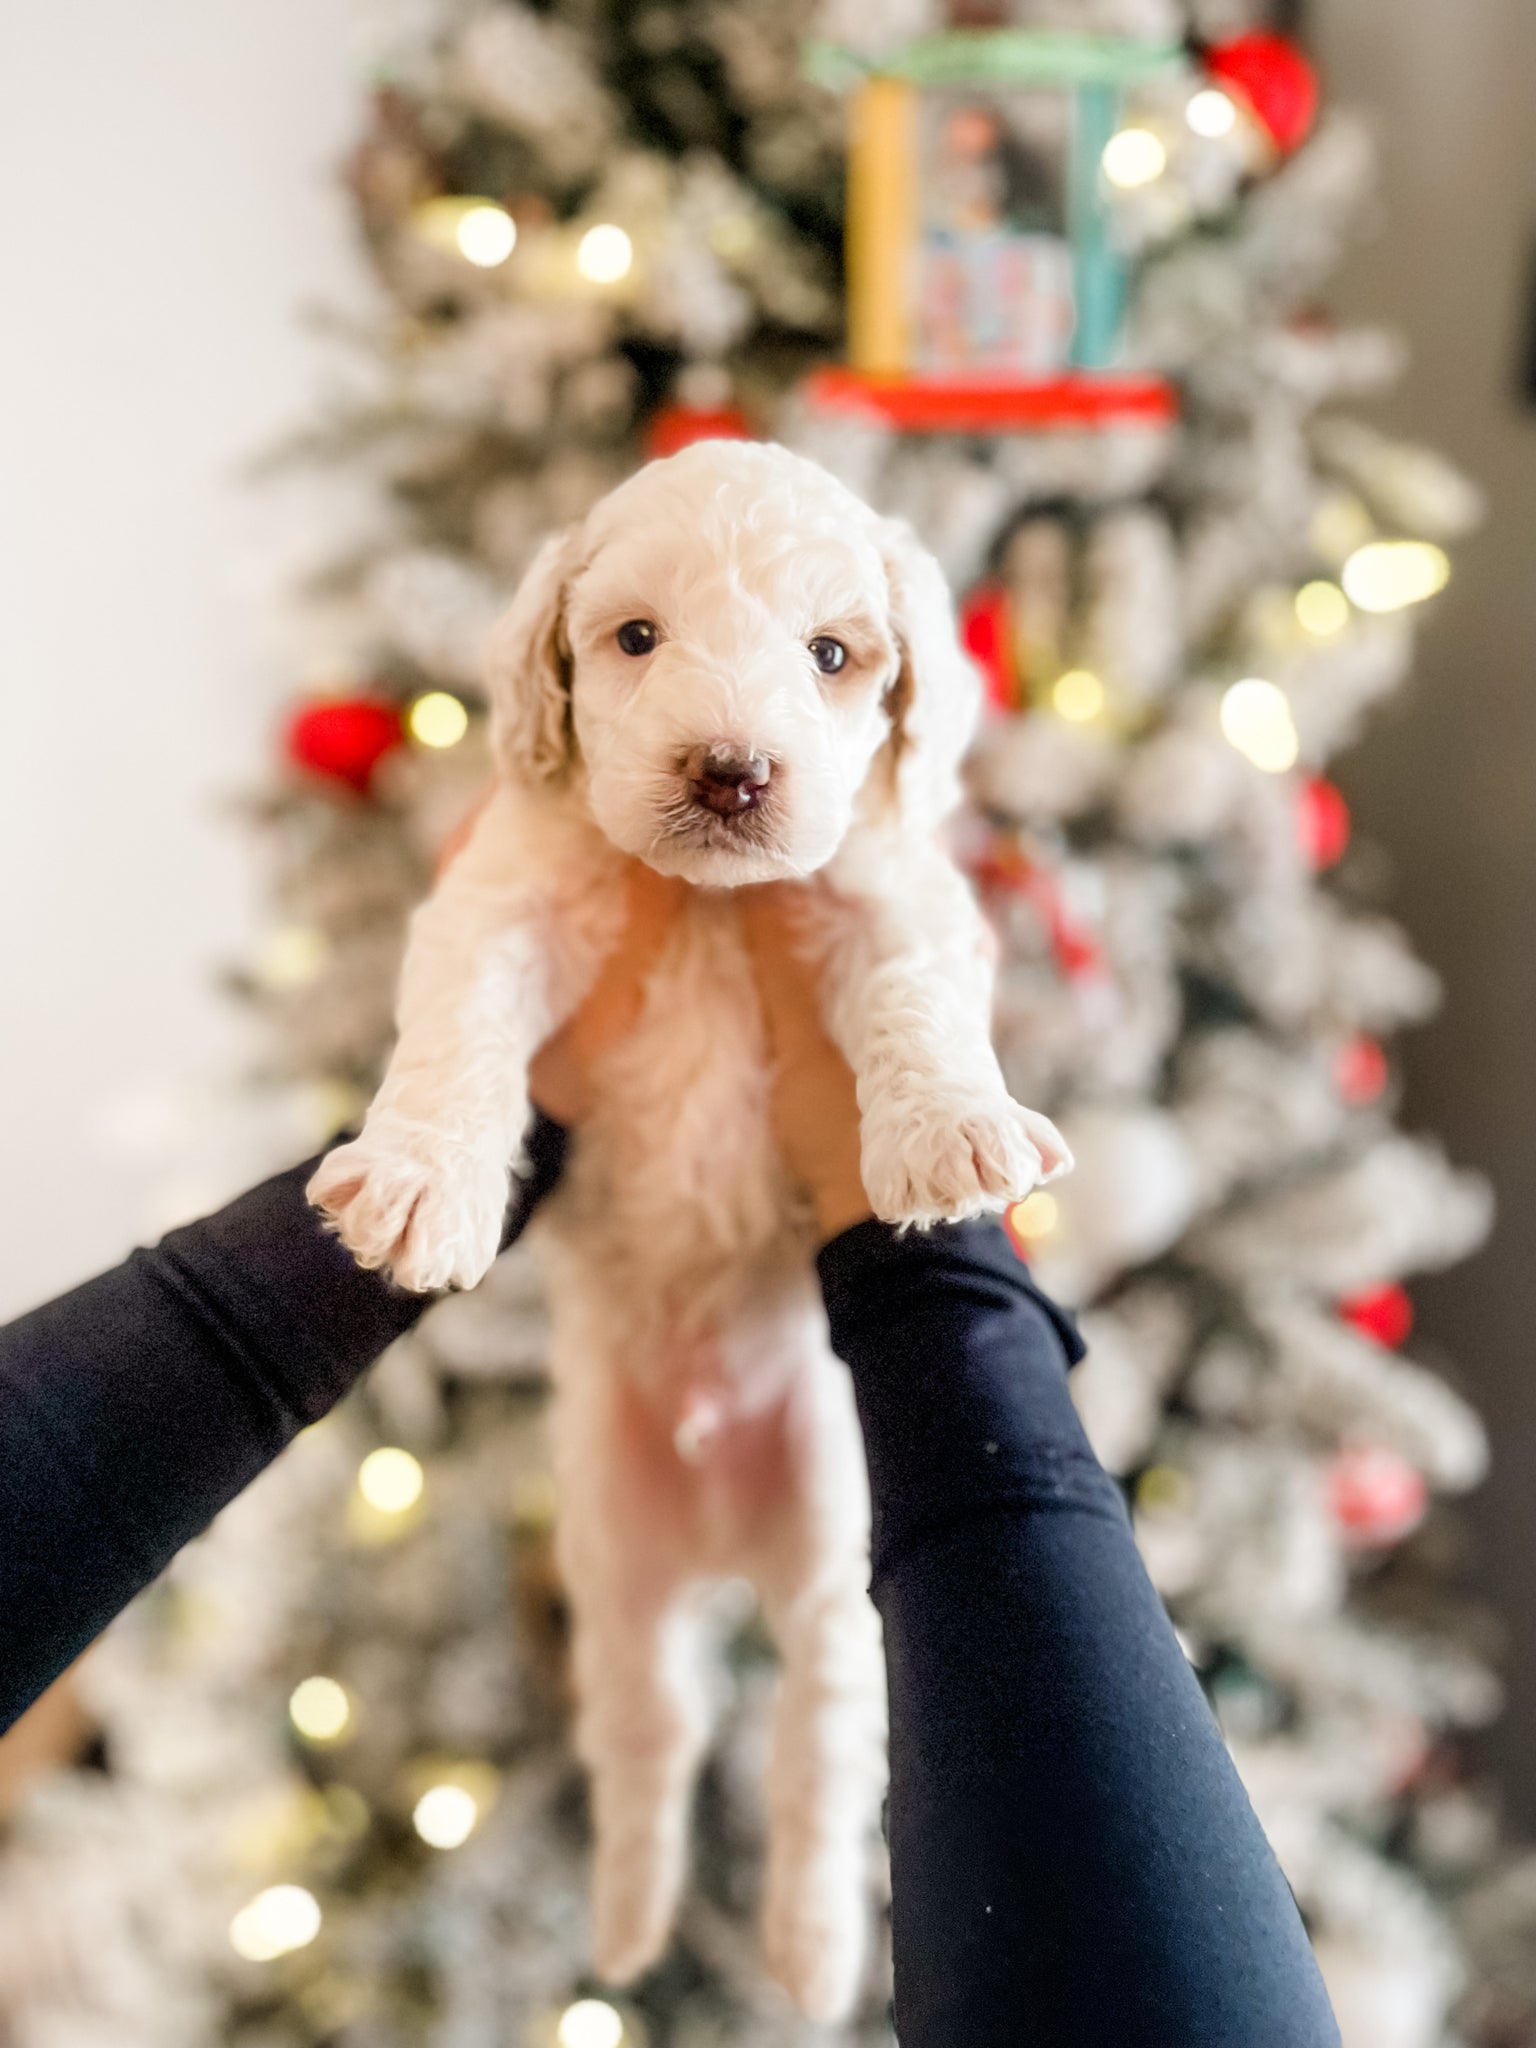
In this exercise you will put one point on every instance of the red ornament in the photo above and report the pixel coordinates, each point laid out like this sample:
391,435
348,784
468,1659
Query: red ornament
986,632
679,426
1002,866
1273,79
1360,1071
1383,1313
344,738
1322,821
1377,1497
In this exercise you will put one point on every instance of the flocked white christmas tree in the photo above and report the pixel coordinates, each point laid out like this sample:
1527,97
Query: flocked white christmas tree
339,1806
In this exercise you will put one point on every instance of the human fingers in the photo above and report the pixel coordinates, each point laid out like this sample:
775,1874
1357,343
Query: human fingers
815,1107
561,1078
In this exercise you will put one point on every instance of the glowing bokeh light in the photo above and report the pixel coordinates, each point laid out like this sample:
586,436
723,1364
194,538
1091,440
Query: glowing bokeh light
1386,575
1322,609
605,254
1078,695
437,719
590,2023
445,1816
390,1480
319,1709
1134,157
1256,719
1211,113
276,1922
292,956
1036,1216
486,234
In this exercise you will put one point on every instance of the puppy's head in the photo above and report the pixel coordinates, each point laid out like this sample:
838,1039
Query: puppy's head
729,659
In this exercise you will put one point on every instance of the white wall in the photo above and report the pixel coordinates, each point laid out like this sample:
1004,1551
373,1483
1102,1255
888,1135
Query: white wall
167,204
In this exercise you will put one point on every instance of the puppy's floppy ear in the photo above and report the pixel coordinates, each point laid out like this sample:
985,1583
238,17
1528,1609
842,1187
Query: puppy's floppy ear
936,695
528,670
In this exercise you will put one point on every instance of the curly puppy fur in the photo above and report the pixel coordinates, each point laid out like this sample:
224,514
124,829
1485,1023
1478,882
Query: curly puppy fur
702,1427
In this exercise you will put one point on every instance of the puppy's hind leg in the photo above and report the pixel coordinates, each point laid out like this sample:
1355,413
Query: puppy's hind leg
826,1772
641,1727
643,1704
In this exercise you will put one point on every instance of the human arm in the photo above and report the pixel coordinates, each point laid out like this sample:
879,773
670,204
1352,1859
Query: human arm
136,1406
1075,1862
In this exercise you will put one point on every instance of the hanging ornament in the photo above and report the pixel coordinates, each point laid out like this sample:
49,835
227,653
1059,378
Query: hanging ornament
1001,865
986,632
1376,1496
1384,1313
343,739
1361,1071
1323,822
1273,78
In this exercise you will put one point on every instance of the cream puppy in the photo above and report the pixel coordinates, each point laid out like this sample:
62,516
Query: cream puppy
737,672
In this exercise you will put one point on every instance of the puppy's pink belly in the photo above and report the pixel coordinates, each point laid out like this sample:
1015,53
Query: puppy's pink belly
724,1469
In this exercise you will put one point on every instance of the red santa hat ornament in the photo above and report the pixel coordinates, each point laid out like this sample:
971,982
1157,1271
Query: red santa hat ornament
1273,79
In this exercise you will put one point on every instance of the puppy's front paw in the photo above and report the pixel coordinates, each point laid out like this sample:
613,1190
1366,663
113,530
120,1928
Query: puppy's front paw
427,1207
949,1157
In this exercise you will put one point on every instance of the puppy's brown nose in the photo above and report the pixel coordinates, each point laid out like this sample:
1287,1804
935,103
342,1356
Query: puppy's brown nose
726,782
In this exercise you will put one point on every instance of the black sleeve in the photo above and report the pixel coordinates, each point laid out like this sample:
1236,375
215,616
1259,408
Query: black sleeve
1075,1862
135,1407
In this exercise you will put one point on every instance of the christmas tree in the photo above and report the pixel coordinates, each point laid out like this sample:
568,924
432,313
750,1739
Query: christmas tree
337,1803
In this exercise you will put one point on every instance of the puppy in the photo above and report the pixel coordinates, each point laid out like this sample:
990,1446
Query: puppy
735,671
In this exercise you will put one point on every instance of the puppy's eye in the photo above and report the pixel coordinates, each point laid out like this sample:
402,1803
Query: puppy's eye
637,636
827,653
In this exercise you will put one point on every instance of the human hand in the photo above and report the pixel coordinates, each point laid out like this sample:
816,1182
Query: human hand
560,1080
815,1109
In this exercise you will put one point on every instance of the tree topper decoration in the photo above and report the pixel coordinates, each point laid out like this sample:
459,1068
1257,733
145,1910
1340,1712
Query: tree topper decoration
986,288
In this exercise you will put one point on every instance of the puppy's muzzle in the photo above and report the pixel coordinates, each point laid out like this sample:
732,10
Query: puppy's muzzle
726,781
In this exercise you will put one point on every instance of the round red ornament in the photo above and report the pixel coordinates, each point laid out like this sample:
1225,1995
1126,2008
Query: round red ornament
1384,1313
1376,1496
678,426
1273,78
1322,821
1361,1071
986,633
344,739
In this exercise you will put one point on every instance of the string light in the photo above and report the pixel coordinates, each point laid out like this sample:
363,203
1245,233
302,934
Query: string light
486,234
276,1922
590,2023
1078,695
1036,1216
437,720
1134,157
445,1816
1322,609
1256,719
605,254
1211,113
390,1480
292,956
1386,575
320,1709
479,230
